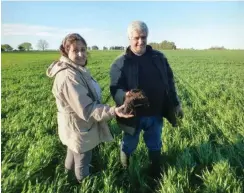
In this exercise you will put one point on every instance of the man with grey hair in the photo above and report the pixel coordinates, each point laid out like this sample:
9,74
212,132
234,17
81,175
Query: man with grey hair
142,67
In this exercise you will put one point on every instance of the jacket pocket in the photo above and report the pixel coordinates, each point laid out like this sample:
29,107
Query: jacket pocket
80,124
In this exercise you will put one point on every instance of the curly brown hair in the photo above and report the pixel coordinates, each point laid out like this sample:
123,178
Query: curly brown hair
68,40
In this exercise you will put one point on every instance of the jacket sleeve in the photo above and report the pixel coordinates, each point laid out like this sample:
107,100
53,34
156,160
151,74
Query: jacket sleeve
77,97
171,83
117,82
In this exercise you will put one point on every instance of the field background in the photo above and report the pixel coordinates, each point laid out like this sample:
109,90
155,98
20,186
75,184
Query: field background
205,154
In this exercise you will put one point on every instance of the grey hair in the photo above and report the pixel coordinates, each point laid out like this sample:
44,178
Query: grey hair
139,26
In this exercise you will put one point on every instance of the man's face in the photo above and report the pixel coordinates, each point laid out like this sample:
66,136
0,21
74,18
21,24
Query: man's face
138,42
77,53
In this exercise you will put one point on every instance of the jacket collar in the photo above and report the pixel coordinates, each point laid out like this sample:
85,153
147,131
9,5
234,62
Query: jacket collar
71,63
129,54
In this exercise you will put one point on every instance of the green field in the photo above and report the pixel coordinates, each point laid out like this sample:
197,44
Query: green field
205,154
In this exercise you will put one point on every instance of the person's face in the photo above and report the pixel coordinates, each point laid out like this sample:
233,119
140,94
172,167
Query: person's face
138,42
78,53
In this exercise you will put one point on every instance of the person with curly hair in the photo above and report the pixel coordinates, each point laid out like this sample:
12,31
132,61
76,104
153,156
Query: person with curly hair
81,116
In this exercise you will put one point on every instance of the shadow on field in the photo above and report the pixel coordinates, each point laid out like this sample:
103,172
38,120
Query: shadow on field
192,159
48,171
197,159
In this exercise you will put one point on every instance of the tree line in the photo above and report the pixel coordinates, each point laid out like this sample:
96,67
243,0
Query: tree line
25,46
43,45
164,45
106,48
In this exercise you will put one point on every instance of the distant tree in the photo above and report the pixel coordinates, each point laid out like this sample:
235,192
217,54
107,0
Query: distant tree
88,48
105,48
6,47
27,46
94,47
165,45
21,48
217,48
42,45
117,48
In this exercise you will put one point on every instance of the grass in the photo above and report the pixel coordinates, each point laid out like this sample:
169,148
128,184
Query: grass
204,154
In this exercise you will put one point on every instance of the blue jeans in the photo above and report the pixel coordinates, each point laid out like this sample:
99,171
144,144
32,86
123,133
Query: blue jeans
152,127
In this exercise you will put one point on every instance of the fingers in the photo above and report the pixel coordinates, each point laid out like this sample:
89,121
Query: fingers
121,107
126,116
119,112
180,113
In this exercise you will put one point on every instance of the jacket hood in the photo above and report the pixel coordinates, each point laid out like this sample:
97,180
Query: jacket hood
63,63
54,68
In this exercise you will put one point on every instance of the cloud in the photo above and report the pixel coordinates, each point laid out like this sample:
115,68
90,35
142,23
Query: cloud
15,34
229,36
36,30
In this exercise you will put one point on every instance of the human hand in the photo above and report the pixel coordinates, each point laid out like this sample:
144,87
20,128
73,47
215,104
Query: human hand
119,112
179,112
127,93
